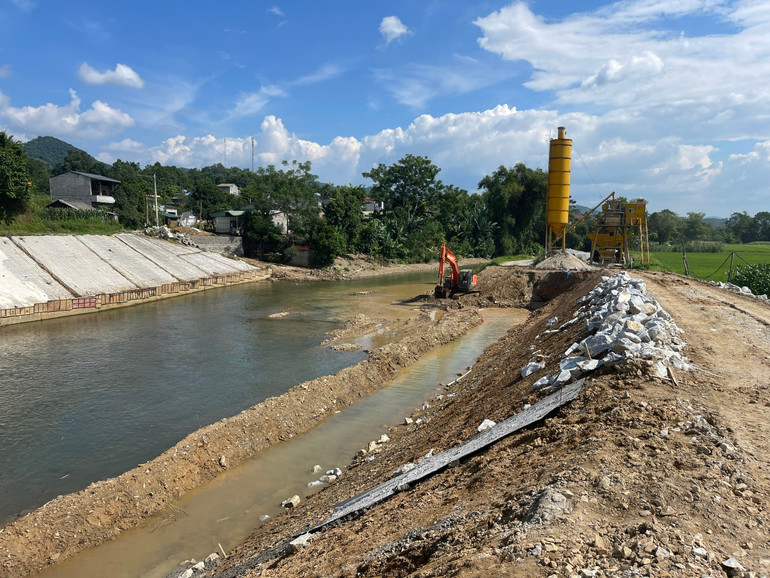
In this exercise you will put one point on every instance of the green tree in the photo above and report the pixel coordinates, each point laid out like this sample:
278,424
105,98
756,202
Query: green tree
292,189
208,198
325,242
39,175
515,198
664,226
695,228
80,161
741,227
14,178
261,237
410,184
343,212
131,194
762,226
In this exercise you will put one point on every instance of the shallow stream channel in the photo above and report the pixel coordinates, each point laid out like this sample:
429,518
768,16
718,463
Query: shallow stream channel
89,397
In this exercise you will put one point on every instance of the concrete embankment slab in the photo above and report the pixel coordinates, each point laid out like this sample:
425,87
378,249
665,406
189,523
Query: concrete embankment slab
74,265
22,282
131,264
217,264
166,256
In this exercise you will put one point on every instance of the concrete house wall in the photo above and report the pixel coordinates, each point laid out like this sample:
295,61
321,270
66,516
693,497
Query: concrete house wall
72,186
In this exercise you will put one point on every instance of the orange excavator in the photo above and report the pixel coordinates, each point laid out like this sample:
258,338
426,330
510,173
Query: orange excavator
463,280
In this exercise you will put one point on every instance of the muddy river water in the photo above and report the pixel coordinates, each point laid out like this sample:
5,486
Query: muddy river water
87,398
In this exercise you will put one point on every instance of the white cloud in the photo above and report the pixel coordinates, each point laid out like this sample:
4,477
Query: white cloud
275,10
324,73
669,171
621,56
252,103
392,28
24,5
122,76
99,121
416,84
6,71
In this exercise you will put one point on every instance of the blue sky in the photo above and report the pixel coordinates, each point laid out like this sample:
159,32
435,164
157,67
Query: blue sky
669,101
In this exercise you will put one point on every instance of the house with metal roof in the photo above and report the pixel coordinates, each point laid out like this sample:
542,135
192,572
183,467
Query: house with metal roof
82,190
231,222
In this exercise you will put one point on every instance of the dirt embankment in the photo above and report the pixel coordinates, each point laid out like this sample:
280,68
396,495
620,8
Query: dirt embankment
69,524
348,267
642,475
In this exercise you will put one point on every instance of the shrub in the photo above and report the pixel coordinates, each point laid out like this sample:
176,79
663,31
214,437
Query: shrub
756,277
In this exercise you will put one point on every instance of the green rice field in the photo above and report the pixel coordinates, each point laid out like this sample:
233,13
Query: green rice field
712,266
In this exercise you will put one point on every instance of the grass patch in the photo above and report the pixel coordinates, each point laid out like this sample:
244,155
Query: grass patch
37,220
711,266
503,259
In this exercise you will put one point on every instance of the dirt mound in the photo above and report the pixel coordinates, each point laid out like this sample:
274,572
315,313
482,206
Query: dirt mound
642,475
563,261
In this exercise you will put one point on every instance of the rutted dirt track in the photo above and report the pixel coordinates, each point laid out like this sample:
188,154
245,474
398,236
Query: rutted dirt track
640,475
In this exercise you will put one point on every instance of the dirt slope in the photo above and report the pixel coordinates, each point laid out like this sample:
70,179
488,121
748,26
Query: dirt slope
641,475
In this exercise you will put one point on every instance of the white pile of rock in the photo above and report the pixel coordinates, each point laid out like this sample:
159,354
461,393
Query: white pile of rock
737,289
625,322
165,233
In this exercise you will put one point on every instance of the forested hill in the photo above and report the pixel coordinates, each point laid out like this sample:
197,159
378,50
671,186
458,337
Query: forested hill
48,149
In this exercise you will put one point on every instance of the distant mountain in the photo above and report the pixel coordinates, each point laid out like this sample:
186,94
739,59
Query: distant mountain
715,222
48,149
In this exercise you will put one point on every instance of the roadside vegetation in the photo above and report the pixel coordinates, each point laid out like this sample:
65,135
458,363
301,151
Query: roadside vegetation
742,264
415,211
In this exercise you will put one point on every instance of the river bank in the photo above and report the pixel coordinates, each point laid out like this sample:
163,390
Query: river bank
646,473
69,524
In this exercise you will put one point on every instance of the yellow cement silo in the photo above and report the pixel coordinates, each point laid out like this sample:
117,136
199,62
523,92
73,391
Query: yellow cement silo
557,204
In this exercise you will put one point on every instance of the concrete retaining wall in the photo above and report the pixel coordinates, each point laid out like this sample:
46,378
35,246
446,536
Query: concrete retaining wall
51,276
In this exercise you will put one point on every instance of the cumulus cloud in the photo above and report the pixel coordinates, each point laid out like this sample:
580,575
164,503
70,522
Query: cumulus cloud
6,71
275,10
122,76
98,121
623,54
392,28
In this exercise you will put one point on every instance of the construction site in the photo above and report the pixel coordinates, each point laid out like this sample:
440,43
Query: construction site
618,428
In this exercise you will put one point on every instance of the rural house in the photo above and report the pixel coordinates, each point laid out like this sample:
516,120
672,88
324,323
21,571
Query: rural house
81,190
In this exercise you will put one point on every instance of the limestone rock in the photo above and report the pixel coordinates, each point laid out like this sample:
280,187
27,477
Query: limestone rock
292,502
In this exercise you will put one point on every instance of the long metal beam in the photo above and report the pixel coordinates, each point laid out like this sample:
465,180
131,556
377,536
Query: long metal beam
438,462
423,470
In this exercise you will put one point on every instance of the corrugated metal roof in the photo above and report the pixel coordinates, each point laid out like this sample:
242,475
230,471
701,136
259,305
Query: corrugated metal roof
79,205
232,213
92,176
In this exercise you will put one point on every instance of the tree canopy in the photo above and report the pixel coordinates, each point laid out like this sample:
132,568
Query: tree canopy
14,178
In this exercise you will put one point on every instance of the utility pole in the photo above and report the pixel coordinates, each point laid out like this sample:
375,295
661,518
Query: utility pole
225,152
252,154
155,189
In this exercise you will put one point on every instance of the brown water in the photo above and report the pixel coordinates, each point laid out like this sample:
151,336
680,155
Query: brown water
224,511
86,398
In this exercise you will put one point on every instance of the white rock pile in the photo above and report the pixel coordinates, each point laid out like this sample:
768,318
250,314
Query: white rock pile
737,289
625,322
